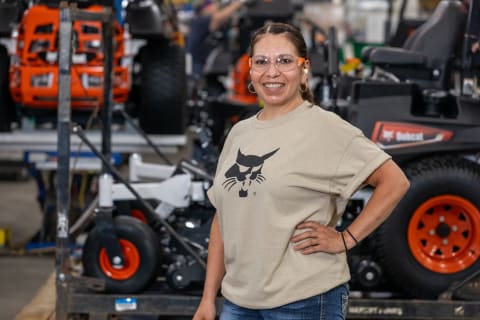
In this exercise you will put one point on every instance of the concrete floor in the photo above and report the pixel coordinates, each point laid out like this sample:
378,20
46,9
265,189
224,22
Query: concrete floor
21,273
21,277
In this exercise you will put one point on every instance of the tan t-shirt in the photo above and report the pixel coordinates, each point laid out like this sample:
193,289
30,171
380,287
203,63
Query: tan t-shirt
271,176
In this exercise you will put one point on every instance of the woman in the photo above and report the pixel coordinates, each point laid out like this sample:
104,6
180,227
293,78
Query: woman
283,180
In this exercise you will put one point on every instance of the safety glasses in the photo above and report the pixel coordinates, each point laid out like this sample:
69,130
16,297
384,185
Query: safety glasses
283,62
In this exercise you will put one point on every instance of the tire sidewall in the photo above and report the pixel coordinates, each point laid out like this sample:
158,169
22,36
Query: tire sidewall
144,240
400,258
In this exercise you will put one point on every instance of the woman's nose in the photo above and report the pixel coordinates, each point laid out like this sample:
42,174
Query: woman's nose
272,69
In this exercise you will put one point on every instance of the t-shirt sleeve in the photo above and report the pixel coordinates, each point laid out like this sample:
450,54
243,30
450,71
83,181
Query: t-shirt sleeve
210,191
359,160
226,148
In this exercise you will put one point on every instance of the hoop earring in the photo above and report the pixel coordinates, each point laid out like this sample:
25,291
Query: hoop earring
303,87
251,88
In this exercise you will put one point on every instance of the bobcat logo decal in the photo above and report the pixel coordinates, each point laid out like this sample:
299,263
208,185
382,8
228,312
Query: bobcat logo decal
245,170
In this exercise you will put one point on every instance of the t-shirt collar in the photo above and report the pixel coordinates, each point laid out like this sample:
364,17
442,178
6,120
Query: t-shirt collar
281,119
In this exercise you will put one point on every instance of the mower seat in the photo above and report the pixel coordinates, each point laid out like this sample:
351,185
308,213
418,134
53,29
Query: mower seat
426,56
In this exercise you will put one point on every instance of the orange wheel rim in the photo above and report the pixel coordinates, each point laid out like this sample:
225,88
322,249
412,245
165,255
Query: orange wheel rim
138,214
130,265
444,234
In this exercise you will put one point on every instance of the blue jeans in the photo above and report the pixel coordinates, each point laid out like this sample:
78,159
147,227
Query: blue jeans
331,305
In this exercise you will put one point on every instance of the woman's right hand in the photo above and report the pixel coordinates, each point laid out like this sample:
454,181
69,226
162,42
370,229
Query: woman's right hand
205,311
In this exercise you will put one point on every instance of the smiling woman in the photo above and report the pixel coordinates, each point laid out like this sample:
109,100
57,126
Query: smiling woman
281,85
283,180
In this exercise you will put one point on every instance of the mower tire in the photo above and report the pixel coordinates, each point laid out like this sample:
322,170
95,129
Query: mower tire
141,251
432,238
162,89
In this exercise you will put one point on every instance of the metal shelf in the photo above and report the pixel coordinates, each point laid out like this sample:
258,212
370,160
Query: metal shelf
122,141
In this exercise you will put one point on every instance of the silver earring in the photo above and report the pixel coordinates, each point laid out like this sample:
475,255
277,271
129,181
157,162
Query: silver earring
251,88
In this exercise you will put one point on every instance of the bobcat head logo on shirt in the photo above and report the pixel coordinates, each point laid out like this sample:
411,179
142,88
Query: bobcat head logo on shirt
246,170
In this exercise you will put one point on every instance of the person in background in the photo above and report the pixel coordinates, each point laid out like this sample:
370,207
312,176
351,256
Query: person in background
283,180
209,18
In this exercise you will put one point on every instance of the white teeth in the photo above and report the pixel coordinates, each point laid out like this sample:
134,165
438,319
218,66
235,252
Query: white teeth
273,85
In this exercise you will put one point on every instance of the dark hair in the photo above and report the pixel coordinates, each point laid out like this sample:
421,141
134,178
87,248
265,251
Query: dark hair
293,34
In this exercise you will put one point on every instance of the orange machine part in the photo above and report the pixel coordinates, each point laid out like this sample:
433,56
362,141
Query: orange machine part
37,56
444,234
131,262
241,78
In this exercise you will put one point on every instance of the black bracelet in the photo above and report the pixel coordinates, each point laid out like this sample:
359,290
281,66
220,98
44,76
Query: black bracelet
351,235
344,243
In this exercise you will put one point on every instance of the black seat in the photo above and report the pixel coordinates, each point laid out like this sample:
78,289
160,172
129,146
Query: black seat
426,56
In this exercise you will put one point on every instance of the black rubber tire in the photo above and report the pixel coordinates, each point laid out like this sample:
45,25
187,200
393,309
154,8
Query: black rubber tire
163,89
144,240
6,105
429,178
